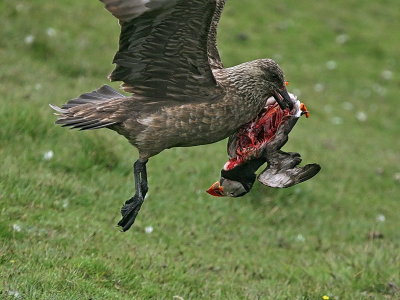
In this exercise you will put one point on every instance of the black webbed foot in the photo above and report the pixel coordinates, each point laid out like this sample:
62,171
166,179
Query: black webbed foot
130,209
129,212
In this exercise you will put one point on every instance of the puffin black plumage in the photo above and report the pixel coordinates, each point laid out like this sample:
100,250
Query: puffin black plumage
181,95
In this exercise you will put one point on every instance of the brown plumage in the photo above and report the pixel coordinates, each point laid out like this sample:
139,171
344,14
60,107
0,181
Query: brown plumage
181,94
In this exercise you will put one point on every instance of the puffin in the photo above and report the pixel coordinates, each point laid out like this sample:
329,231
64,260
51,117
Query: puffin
259,142
180,94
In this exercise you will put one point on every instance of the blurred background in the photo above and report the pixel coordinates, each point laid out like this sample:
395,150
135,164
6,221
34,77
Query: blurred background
334,236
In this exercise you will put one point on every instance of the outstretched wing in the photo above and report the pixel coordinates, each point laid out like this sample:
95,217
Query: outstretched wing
167,48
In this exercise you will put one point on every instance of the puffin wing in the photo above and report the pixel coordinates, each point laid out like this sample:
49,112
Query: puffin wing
283,178
167,48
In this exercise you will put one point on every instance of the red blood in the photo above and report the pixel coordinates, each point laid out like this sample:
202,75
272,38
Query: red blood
252,136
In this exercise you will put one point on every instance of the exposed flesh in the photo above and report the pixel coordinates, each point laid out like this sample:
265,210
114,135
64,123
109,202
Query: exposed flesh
252,137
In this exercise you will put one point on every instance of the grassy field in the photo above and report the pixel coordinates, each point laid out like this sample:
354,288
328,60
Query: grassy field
337,235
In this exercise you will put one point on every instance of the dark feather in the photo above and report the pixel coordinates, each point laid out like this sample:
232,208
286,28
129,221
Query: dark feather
90,110
104,93
167,48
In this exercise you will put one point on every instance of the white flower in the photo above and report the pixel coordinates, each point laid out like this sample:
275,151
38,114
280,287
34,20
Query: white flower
38,86
16,294
319,87
65,204
397,177
331,65
48,155
29,39
380,218
300,238
361,116
16,227
342,38
336,120
387,74
51,32
347,105
148,229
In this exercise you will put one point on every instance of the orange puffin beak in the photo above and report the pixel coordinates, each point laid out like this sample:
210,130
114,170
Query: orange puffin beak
304,110
216,190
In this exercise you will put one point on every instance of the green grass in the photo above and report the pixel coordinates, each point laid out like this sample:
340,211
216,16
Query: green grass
58,238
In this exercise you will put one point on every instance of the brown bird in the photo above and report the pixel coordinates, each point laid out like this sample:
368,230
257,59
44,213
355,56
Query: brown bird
181,93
